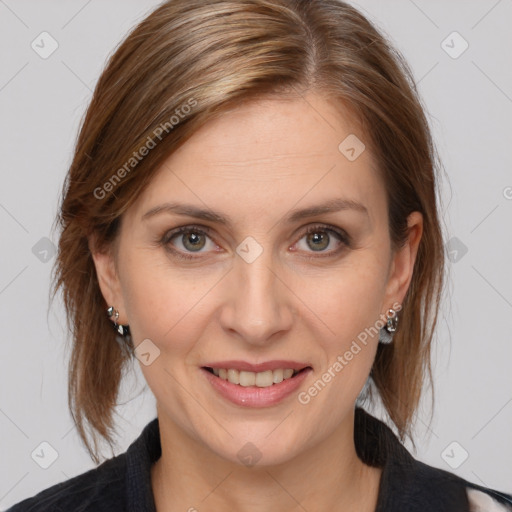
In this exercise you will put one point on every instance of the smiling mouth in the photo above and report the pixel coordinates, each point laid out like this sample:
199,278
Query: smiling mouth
264,379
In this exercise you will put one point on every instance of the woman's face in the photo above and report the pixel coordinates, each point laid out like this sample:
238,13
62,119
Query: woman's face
256,288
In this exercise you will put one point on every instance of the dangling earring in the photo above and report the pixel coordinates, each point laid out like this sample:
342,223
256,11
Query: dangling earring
387,332
124,336
121,329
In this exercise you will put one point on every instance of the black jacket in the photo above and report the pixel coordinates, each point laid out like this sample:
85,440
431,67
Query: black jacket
123,483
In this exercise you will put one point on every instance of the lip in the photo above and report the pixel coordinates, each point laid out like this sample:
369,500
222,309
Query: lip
254,396
258,367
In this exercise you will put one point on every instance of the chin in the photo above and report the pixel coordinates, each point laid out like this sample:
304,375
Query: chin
258,450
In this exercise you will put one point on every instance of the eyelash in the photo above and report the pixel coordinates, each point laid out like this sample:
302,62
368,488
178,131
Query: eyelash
169,235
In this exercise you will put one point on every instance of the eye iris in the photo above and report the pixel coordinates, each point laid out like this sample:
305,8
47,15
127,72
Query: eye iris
318,236
194,239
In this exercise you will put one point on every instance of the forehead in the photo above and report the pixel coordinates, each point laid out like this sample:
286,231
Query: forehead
275,130
285,150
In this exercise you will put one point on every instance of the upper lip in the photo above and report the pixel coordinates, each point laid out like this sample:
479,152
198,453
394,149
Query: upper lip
258,367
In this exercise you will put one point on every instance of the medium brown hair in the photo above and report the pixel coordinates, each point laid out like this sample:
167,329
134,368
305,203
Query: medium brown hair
213,56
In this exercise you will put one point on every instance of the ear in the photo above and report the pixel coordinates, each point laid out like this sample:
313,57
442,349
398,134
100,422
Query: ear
108,279
402,264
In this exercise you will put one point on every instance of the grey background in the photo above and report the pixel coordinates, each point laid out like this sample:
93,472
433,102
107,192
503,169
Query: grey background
469,101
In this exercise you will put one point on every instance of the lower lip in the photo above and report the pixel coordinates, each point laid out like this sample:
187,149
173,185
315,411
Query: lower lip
253,396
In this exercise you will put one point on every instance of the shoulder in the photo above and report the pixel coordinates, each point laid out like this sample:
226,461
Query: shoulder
100,489
410,484
483,499
479,498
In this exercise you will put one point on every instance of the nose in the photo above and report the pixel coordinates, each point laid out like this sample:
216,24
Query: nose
259,302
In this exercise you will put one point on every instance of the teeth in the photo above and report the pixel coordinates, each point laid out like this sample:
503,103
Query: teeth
259,379
247,378
277,376
264,379
234,376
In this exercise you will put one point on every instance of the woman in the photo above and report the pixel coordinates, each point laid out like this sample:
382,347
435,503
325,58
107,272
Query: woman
251,213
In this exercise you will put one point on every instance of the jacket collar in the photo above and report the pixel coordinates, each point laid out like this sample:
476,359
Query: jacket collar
406,484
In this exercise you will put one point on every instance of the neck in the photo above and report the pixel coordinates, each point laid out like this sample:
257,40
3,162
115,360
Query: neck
326,477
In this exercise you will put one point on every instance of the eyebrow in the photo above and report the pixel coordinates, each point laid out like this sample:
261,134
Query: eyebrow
330,206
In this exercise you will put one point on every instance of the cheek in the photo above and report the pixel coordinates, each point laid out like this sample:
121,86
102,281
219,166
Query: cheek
350,298
162,302
170,304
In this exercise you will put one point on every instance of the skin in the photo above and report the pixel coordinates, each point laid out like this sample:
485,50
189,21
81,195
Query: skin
255,164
